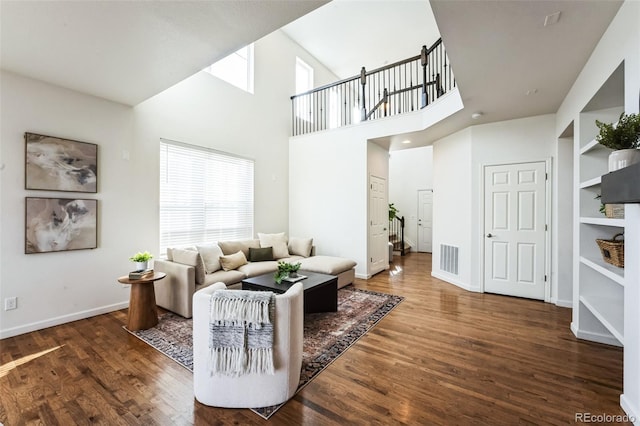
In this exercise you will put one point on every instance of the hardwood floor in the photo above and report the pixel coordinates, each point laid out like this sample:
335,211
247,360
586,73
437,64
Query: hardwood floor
443,356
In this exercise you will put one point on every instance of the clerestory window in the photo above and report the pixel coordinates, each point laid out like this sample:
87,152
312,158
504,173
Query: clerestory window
236,69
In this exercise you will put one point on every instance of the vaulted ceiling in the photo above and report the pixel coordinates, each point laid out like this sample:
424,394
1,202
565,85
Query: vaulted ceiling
507,63
128,51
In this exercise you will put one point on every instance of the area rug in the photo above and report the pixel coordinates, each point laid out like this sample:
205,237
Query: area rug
326,335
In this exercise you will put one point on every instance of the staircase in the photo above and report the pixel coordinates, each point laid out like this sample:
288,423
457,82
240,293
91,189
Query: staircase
396,236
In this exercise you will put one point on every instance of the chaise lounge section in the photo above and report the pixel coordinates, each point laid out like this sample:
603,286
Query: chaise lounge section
190,269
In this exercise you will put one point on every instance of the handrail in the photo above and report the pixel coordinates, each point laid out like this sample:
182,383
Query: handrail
368,73
393,89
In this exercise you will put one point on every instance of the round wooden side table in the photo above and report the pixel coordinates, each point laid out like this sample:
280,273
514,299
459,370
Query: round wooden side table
143,312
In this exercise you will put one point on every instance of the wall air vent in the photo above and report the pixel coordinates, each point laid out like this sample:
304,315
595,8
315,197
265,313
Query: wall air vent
449,259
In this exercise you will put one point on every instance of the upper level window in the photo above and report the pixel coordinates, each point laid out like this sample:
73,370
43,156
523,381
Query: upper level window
236,69
304,83
304,76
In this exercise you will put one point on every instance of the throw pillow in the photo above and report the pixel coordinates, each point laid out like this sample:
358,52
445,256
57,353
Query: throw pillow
211,257
190,258
300,246
231,247
233,261
260,254
277,241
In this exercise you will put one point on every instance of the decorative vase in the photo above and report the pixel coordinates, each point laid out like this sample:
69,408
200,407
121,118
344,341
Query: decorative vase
141,266
293,274
623,158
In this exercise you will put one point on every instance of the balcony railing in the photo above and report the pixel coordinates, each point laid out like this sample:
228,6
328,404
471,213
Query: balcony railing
394,89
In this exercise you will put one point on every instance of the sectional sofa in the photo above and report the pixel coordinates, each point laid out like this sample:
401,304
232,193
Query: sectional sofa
190,269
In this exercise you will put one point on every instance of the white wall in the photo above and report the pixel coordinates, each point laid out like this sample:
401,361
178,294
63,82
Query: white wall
452,189
410,170
59,287
562,224
53,288
512,141
327,195
328,172
457,174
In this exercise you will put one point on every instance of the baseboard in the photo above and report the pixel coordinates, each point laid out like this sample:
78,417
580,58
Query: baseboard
564,303
595,337
363,276
39,325
632,412
454,281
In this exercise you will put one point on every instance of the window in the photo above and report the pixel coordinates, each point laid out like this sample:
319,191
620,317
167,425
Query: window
304,76
205,195
236,69
304,83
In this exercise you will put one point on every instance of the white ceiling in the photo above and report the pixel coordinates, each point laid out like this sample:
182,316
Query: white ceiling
346,35
500,50
128,51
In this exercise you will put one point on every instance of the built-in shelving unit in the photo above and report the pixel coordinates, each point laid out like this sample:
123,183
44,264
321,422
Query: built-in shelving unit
598,286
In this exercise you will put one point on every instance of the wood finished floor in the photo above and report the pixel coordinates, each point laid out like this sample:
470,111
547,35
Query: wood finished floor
443,356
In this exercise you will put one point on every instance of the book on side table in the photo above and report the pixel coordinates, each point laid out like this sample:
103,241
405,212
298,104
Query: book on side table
143,273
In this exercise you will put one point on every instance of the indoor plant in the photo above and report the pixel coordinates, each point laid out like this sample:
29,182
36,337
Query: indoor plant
141,260
624,138
286,269
393,211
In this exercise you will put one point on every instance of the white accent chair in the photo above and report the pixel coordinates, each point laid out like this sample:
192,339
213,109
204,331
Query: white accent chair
251,390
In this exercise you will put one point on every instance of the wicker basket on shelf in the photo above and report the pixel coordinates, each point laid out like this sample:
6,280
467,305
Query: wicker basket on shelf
612,250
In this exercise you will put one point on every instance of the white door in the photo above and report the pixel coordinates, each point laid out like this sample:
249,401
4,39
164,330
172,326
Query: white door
378,223
425,220
514,230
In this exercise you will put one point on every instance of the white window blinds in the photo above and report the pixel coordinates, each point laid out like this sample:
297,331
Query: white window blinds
205,195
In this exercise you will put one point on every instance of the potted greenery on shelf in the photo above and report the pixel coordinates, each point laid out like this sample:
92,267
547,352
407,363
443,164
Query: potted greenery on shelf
141,260
286,269
623,138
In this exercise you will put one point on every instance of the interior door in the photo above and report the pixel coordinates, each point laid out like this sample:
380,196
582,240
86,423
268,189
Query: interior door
378,223
514,229
425,220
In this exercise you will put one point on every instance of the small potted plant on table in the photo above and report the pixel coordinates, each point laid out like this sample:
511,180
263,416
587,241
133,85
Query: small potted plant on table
286,269
141,259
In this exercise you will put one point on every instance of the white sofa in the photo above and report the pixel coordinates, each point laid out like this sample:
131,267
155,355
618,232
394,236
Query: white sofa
251,390
187,270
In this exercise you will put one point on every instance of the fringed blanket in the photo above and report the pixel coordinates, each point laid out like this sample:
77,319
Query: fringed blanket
241,332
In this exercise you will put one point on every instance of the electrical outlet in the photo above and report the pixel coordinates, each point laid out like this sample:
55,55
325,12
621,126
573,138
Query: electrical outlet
10,303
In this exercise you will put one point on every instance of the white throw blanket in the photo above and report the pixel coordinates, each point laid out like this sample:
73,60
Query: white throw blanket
241,332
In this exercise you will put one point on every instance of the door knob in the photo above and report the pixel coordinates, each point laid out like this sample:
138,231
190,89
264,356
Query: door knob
489,235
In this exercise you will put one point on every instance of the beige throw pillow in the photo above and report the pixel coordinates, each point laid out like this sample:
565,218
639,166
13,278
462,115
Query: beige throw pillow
231,247
233,261
277,241
190,258
211,257
300,246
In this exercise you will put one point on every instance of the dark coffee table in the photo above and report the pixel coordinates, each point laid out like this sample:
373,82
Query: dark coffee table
320,290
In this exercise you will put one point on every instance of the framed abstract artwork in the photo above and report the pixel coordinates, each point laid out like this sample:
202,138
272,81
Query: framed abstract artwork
56,164
60,224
